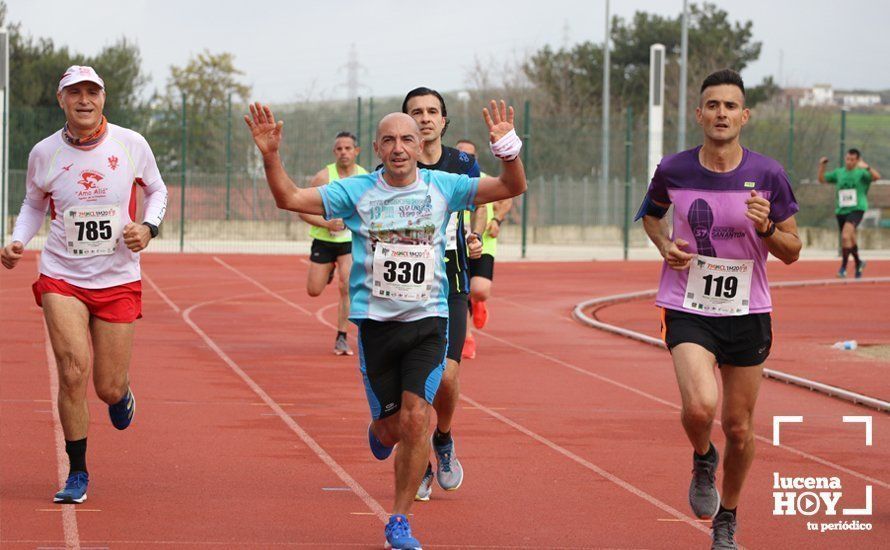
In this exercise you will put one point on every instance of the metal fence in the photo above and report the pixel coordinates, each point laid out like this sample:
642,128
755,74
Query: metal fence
219,199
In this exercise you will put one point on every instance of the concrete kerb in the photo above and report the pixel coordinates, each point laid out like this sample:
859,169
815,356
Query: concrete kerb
579,313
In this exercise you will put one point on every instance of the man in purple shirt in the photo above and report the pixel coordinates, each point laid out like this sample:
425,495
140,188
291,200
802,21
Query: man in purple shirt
732,207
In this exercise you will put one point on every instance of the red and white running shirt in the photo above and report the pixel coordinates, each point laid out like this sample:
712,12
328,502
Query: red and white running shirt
91,196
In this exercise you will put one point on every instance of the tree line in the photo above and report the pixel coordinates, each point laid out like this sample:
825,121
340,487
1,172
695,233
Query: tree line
564,86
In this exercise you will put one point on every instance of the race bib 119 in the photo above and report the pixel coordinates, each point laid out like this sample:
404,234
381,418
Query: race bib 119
718,286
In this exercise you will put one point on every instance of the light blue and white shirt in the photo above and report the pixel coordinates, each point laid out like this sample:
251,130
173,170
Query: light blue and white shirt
401,221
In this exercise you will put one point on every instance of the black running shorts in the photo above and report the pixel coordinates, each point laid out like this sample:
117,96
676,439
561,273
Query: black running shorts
396,356
325,252
854,217
482,267
741,341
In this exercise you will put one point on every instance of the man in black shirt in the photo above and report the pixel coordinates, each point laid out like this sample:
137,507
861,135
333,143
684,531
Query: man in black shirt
427,107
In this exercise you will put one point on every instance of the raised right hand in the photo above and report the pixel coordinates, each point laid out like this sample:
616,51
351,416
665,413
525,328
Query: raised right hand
676,258
266,132
823,160
12,253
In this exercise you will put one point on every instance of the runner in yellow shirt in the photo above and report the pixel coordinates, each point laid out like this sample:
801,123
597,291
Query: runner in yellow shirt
331,241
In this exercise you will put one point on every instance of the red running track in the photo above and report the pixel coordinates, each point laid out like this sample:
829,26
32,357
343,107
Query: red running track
250,434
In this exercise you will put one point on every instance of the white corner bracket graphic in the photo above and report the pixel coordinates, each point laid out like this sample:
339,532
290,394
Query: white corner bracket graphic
863,420
861,511
779,420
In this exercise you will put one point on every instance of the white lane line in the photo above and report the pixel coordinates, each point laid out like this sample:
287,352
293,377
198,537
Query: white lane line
323,455
679,516
338,470
578,369
642,393
69,514
589,465
261,286
160,292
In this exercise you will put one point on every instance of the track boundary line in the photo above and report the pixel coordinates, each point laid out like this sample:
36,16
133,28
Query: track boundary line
812,385
310,442
69,511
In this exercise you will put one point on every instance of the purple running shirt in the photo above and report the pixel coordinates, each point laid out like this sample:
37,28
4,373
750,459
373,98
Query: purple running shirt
709,214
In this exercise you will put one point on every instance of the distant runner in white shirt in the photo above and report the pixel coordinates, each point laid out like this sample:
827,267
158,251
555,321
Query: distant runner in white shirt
89,286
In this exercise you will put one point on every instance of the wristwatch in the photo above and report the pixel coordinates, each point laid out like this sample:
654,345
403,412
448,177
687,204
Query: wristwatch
152,228
769,231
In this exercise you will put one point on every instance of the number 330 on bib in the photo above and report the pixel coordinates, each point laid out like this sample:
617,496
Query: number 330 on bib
403,271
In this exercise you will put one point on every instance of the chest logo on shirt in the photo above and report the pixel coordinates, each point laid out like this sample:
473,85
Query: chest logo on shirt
112,162
750,184
67,168
92,187
701,219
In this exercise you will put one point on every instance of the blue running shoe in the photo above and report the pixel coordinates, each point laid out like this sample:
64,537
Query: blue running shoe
860,267
398,534
75,490
121,413
378,449
842,273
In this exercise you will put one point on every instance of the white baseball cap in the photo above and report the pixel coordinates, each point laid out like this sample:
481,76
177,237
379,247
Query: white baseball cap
80,73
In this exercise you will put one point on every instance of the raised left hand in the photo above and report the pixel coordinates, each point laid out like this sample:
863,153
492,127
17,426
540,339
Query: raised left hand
498,120
758,211
136,236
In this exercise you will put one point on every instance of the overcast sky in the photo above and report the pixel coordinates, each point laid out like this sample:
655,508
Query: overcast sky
296,49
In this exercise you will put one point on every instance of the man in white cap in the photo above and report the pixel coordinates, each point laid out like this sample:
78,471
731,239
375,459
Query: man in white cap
89,285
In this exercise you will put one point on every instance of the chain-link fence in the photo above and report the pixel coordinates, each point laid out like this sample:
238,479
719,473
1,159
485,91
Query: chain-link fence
218,198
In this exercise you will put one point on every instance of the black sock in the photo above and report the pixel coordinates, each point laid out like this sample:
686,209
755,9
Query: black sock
708,455
77,455
440,438
855,253
341,334
846,257
722,509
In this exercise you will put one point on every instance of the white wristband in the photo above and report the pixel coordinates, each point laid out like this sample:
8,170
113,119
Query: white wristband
507,148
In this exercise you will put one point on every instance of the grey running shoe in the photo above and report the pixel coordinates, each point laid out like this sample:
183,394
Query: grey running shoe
723,532
341,346
449,472
703,496
426,485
